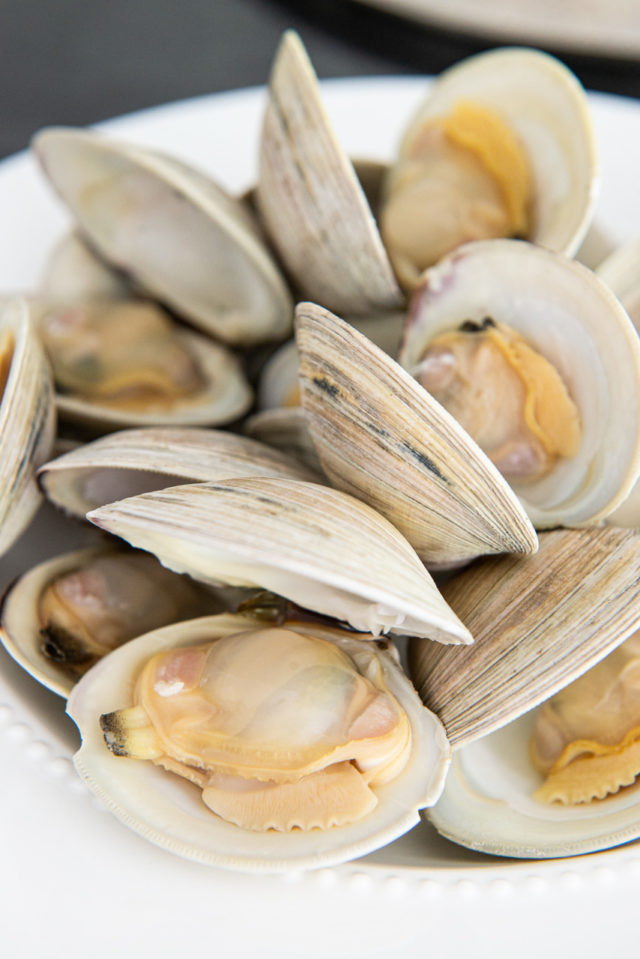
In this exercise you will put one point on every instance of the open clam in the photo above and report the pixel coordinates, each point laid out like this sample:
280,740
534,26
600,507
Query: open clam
539,361
308,195
539,624
27,419
174,232
318,547
62,616
136,461
502,146
122,363
382,438
324,757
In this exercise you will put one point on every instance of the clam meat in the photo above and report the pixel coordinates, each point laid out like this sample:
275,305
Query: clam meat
503,146
535,356
64,614
255,747
123,362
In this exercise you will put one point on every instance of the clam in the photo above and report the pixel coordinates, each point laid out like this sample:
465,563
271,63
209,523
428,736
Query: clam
541,364
382,438
324,756
318,547
310,200
173,231
27,419
119,363
502,146
540,623
63,615
137,461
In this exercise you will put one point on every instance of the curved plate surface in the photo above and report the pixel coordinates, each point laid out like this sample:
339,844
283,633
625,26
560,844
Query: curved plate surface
84,878
601,27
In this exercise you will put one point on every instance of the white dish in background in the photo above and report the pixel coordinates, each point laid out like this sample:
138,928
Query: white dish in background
598,27
78,877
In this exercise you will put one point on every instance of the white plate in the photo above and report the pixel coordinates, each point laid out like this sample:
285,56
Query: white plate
602,27
78,878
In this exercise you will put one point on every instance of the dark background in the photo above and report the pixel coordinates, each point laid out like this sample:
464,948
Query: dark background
81,61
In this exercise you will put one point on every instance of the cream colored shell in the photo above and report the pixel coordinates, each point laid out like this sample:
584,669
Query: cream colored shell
206,258
538,624
168,811
544,104
310,200
382,438
567,314
318,547
135,461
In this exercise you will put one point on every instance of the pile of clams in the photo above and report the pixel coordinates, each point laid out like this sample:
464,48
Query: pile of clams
359,444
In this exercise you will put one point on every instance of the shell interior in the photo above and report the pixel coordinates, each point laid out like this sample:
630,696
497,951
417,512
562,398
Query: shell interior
173,231
565,313
138,461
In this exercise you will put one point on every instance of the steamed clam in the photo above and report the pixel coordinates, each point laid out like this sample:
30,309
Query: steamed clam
123,362
174,232
585,739
309,198
541,363
540,623
382,438
63,615
325,756
318,547
136,461
621,272
502,146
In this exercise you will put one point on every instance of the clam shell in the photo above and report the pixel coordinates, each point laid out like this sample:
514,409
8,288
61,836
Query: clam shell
20,626
318,547
225,397
487,805
538,623
382,438
168,810
27,422
206,260
547,108
310,200
567,314
135,461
